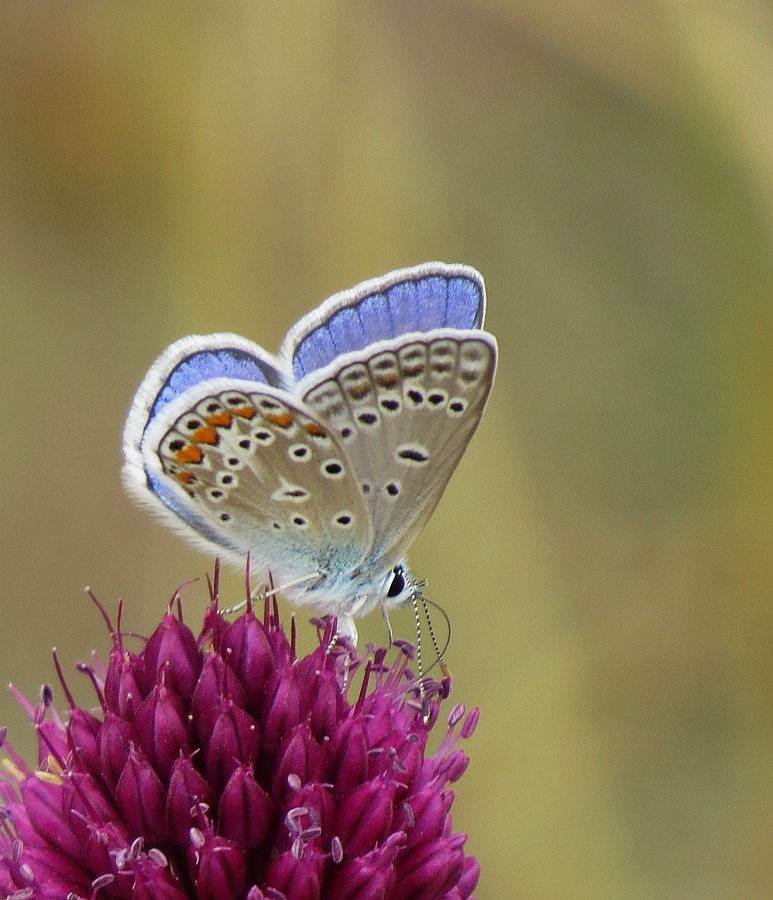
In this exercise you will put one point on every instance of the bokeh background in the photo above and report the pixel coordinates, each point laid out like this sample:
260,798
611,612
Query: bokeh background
604,549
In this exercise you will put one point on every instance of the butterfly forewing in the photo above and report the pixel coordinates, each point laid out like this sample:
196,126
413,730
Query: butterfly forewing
264,472
405,410
420,299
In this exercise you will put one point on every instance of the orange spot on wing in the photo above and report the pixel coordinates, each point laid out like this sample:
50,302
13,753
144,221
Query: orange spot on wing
244,412
315,430
185,477
358,391
222,418
281,420
387,380
189,454
205,435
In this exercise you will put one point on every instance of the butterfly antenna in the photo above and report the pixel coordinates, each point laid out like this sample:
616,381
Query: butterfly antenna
416,599
440,659
419,661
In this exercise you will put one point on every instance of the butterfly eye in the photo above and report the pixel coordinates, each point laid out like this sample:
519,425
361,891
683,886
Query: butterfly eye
397,585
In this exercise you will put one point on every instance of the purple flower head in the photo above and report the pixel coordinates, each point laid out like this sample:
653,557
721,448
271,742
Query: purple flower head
224,767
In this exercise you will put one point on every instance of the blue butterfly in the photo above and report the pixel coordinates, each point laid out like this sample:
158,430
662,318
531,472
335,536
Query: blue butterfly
325,461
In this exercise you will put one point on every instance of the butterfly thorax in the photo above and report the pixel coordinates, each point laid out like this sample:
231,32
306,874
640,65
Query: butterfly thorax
354,593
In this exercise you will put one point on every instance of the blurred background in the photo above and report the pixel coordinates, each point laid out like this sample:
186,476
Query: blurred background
604,549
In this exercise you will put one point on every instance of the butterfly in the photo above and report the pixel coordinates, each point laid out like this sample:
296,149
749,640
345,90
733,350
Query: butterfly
325,461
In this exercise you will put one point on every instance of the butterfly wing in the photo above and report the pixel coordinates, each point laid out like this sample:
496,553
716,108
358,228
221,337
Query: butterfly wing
405,410
419,299
238,463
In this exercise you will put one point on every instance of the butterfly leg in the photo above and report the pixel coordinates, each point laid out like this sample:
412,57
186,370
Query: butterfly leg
390,633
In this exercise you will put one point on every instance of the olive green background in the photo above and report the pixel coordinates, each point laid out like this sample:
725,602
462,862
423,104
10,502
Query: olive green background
604,550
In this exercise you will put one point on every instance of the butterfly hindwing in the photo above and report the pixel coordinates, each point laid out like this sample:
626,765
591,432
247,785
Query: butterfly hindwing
187,363
259,470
